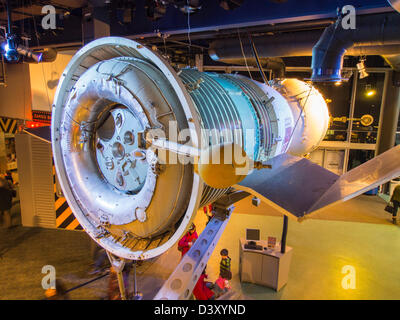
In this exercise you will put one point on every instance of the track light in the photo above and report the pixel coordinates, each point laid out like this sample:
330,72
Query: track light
26,52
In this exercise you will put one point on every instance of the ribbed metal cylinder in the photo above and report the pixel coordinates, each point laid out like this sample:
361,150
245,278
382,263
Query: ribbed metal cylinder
234,105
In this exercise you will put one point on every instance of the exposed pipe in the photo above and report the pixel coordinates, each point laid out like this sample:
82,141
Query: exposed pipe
276,65
298,44
222,33
279,45
9,17
328,53
301,43
286,45
393,60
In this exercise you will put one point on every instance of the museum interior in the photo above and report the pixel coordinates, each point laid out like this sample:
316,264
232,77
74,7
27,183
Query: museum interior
199,150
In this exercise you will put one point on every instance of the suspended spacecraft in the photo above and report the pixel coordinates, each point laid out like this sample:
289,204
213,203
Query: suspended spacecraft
117,174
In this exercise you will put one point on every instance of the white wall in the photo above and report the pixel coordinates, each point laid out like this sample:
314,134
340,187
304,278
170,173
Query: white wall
44,79
15,98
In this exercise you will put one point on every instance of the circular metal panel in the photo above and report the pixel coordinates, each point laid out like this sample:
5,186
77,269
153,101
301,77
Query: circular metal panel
117,240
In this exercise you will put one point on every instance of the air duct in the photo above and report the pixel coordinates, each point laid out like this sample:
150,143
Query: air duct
301,43
294,44
280,45
372,30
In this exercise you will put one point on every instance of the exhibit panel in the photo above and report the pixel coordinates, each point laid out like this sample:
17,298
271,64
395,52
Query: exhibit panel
266,266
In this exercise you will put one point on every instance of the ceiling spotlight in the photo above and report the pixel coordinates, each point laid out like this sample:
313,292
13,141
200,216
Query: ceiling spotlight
10,53
338,83
188,6
26,52
361,69
13,51
9,48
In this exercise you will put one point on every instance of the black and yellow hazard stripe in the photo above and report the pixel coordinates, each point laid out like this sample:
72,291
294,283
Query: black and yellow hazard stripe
8,125
65,219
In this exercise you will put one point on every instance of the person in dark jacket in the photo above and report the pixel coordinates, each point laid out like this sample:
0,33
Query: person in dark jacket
225,265
6,195
395,199
9,178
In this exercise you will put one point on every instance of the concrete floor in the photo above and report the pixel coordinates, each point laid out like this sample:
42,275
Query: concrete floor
357,233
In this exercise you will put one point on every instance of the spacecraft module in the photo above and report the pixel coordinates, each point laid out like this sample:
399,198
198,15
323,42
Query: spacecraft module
126,195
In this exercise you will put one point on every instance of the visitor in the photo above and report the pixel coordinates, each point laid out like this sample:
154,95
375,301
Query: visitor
225,265
208,212
9,178
395,199
6,195
201,290
221,286
187,240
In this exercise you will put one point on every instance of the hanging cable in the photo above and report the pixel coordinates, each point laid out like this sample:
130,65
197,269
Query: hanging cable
301,112
253,47
188,25
244,56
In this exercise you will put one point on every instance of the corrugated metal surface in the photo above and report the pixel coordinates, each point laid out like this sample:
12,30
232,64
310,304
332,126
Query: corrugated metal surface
42,184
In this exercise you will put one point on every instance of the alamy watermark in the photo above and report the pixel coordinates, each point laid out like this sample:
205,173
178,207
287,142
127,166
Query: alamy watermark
348,17
49,280
349,280
49,20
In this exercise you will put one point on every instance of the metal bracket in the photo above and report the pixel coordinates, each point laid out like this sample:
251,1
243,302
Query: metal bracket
118,264
181,282
192,86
